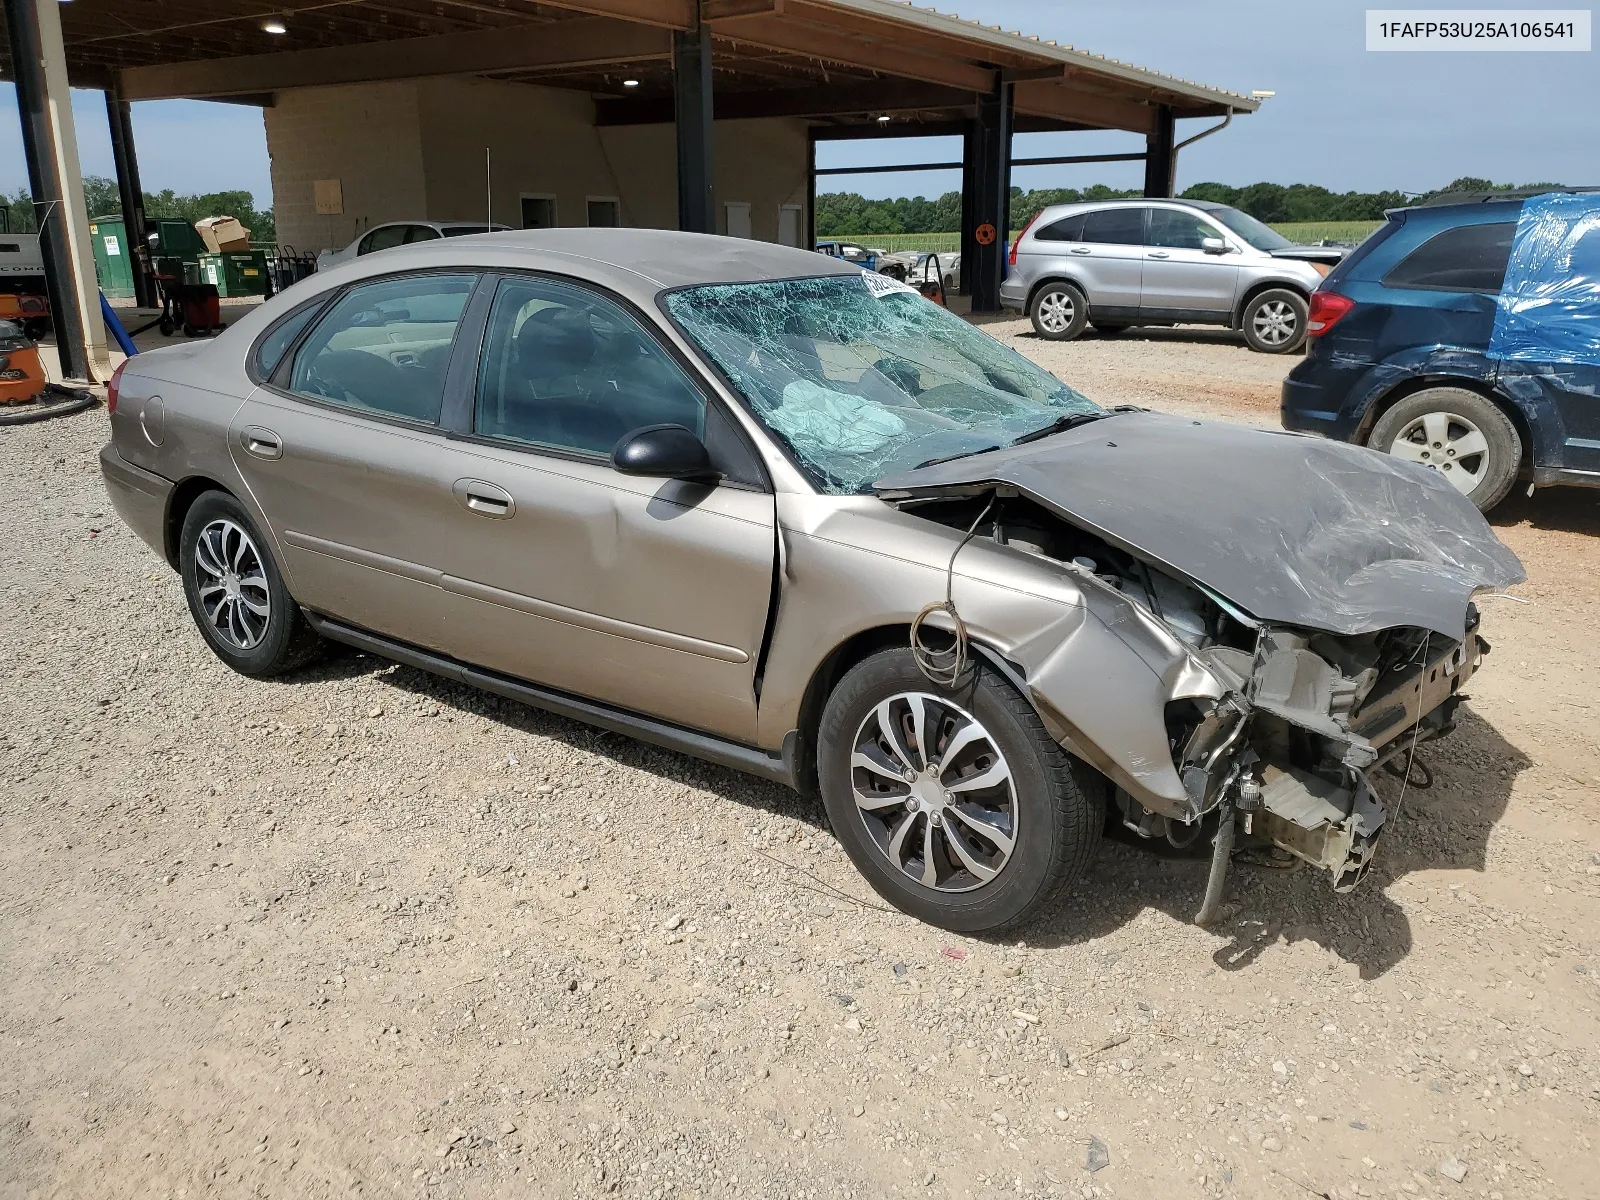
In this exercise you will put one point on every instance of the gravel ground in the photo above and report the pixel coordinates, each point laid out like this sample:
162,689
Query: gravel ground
363,932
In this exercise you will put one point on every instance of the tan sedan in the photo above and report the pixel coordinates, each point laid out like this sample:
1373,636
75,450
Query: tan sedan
772,511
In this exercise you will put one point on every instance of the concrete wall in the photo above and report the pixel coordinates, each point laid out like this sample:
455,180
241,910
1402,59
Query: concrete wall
416,149
368,136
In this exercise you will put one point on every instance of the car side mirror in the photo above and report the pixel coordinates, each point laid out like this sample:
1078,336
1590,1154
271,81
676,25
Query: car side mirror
1213,245
664,452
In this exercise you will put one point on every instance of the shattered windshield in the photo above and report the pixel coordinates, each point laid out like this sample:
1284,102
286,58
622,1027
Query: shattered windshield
862,376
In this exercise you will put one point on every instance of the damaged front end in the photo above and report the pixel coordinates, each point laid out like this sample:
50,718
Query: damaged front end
1306,719
1270,728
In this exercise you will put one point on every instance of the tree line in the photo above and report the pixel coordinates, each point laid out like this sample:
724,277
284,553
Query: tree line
102,199
846,213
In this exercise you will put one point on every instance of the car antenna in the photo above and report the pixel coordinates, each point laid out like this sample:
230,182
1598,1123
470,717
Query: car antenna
488,193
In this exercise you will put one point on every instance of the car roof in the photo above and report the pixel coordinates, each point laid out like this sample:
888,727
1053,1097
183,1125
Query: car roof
1133,202
639,263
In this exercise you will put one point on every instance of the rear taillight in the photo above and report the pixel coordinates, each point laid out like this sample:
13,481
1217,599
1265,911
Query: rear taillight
111,388
1012,257
1326,310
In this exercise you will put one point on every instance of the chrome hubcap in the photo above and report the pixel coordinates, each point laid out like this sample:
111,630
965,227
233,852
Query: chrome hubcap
1056,311
1448,443
231,584
1274,322
934,792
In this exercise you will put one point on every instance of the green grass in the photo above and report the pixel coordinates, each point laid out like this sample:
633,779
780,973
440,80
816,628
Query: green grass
1303,232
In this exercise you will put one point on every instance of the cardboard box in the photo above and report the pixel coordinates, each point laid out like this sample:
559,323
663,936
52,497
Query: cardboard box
222,234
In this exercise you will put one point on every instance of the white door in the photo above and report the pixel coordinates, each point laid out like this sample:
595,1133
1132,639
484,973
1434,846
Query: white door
788,224
738,220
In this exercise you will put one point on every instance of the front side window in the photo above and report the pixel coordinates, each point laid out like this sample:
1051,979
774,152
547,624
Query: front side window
385,346
566,368
1262,237
1173,229
1469,258
861,376
1115,226
383,238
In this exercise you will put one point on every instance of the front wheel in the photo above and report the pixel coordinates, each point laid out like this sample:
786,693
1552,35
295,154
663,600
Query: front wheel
1458,433
1275,321
956,805
1059,311
236,595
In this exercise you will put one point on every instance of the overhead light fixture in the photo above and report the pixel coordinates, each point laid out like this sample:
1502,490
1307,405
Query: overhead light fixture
1258,94
884,120
630,83
273,25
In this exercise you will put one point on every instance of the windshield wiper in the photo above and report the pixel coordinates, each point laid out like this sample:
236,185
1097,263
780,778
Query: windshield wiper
1071,421
934,462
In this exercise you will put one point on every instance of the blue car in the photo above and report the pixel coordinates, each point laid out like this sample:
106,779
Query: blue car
1425,346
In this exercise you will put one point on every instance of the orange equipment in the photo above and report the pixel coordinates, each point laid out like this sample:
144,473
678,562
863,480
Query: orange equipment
22,377
29,311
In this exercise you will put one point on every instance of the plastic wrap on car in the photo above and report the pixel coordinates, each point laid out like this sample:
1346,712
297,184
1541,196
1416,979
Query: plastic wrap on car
1549,306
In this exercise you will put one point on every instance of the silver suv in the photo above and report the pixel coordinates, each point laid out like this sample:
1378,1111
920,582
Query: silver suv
1162,262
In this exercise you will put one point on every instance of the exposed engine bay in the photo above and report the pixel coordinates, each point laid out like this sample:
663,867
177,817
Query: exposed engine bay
1280,741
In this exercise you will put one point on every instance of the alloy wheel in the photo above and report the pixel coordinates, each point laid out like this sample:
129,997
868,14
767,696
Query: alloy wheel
935,792
1056,311
231,584
1274,323
1448,443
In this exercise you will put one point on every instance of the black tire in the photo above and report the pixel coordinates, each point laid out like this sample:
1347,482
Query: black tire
1059,311
1056,805
1274,322
285,639
167,327
1459,412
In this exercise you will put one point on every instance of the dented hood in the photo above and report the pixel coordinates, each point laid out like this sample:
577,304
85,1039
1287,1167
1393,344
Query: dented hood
1291,529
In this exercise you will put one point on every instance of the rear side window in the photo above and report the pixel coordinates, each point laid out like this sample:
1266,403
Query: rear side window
383,238
385,347
271,350
1469,258
1115,226
1067,229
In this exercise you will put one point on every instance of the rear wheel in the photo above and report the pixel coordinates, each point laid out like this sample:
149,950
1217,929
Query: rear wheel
956,805
1464,436
1059,311
1274,322
236,595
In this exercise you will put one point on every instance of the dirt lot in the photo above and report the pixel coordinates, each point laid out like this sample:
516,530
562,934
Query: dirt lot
361,932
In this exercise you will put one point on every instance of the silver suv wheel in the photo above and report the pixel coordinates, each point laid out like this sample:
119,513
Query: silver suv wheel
1275,323
934,791
1056,312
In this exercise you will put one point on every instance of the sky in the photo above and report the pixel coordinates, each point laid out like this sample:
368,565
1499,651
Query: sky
1343,117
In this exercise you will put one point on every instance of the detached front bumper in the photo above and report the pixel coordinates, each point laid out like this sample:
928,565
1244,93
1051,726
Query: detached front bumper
139,496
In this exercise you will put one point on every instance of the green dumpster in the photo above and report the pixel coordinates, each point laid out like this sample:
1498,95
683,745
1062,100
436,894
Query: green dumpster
235,272
113,256
175,248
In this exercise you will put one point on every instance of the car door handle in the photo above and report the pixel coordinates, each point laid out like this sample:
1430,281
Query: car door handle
263,443
1079,250
1159,254
485,499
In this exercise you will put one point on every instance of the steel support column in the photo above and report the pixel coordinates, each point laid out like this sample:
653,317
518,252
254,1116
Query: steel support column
989,155
1160,155
691,84
809,224
119,117
968,221
45,183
